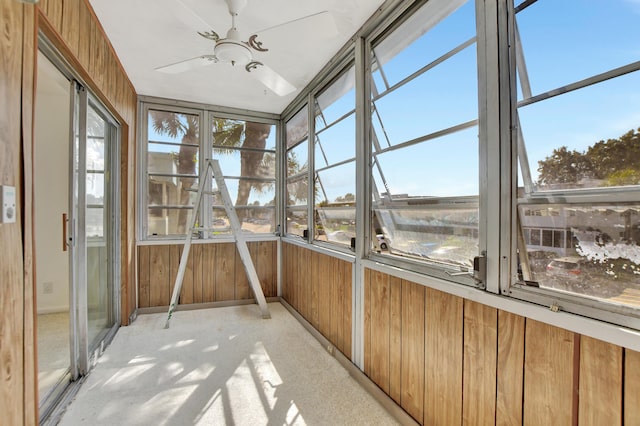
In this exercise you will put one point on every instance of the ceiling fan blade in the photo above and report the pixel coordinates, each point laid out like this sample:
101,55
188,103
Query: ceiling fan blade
187,64
271,79
313,15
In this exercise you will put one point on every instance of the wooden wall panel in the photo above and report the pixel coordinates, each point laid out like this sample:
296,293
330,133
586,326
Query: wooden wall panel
211,275
84,35
225,270
443,360
317,261
13,340
367,331
413,350
632,388
380,344
395,338
30,378
510,372
265,255
479,365
71,24
186,292
548,375
144,279
345,297
198,272
159,276
600,383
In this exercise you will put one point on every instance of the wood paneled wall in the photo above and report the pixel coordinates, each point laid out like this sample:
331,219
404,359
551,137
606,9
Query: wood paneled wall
17,378
319,287
73,28
214,273
71,25
451,361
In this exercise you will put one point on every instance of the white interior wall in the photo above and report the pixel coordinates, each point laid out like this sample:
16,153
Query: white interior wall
51,182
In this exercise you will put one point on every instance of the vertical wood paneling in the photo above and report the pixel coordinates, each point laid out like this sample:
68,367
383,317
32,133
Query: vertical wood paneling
209,265
159,275
413,349
304,281
71,24
317,261
380,306
30,378
242,282
510,373
600,383
548,374
266,256
336,308
84,36
347,277
12,279
395,338
443,360
367,321
479,369
186,292
324,308
198,277
632,388
53,11
144,270
225,269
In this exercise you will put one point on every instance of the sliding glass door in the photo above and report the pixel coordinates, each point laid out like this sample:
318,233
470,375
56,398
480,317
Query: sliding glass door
76,187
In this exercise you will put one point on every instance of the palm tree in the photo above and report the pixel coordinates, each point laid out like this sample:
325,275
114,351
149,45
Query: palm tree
188,128
252,137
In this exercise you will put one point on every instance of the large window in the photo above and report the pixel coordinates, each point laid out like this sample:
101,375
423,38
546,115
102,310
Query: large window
175,145
578,141
335,161
424,112
297,159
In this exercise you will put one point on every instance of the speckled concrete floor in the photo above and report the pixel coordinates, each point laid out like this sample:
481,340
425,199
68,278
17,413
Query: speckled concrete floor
222,366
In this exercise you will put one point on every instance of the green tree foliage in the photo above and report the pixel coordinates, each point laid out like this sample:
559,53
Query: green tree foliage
615,162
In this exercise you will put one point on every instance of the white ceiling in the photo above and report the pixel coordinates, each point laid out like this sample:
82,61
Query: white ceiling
148,34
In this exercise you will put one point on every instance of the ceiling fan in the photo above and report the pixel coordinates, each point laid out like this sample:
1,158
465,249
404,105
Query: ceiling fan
232,50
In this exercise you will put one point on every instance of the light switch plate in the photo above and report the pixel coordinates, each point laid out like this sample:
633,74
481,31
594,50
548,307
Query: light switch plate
8,202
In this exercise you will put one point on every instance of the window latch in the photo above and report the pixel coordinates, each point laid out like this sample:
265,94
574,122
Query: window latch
480,269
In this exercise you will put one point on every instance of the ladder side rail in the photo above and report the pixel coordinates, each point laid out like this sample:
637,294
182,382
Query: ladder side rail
241,243
187,248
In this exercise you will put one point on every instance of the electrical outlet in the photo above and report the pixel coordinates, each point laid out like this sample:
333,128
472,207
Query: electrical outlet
47,287
8,204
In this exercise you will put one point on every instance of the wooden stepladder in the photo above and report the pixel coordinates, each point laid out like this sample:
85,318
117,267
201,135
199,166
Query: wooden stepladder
212,169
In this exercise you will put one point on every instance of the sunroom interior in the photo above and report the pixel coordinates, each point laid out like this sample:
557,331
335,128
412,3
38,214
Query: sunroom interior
444,194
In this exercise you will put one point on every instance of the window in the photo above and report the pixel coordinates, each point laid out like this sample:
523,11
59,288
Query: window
424,165
297,192
335,162
578,141
245,150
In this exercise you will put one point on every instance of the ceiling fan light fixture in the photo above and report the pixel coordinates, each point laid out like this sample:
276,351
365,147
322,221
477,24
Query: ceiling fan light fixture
232,52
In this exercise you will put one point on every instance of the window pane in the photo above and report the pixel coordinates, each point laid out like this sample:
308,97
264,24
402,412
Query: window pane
172,191
257,164
298,191
167,221
336,186
570,40
443,167
248,192
446,233
337,100
337,143
587,138
442,97
298,127
254,220
336,224
166,126
298,159
603,260
172,159
296,221
425,37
